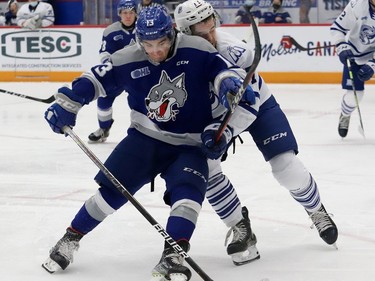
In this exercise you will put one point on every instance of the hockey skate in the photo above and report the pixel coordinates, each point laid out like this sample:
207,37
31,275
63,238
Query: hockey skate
61,255
325,225
243,248
170,266
343,125
100,135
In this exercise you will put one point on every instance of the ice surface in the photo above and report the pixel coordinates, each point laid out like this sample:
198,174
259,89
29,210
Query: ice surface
45,178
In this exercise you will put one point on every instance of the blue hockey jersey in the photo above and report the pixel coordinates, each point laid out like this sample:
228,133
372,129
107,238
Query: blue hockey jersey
115,37
170,101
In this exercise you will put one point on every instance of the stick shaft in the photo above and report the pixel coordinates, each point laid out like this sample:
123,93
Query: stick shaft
246,81
355,95
136,204
48,100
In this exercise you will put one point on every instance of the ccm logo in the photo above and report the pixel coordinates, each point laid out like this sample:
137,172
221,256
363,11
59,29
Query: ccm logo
274,138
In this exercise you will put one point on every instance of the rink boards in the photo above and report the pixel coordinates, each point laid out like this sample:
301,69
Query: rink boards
63,53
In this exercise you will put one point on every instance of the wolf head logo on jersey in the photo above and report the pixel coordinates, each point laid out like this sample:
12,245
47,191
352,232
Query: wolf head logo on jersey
367,34
164,99
235,53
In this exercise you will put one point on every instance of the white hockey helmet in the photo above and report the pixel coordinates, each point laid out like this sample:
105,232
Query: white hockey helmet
191,12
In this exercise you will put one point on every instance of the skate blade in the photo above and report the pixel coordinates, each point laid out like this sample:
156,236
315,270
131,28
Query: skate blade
98,141
251,254
156,276
50,265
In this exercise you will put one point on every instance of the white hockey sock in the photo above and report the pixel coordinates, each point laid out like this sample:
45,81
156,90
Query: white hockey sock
223,199
308,197
348,102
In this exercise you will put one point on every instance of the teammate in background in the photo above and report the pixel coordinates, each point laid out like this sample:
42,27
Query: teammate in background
276,14
147,3
115,37
167,78
11,14
304,10
197,17
35,14
247,10
353,36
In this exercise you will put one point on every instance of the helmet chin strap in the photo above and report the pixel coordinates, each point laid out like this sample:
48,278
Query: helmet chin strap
173,44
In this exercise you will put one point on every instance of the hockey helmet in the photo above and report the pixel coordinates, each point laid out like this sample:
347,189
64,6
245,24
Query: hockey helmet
191,12
154,23
126,5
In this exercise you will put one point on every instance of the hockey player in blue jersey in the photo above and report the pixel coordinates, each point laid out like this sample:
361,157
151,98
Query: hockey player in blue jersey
115,37
267,121
354,36
276,14
167,76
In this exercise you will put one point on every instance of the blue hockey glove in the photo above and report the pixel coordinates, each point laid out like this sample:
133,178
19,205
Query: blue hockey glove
212,149
366,71
229,88
64,111
345,52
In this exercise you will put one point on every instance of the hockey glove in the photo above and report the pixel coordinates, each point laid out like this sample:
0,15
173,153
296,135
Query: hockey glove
211,148
345,52
32,23
64,111
229,89
366,71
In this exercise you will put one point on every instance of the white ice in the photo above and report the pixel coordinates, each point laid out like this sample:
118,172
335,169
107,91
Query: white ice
45,178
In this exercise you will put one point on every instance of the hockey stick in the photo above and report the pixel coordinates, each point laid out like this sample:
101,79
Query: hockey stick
49,100
67,130
251,32
288,41
246,81
360,128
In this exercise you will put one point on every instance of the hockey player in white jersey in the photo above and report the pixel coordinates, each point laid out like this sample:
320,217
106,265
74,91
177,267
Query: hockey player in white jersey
167,76
35,14
115,37
197,17
353,33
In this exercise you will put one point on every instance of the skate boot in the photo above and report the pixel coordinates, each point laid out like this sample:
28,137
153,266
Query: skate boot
61,255
325,225
100,135
170,266
243,248
343,125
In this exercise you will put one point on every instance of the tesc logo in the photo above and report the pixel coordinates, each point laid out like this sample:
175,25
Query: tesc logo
42,44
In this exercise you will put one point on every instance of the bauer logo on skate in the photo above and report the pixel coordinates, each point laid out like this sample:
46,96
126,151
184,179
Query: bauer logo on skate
41,44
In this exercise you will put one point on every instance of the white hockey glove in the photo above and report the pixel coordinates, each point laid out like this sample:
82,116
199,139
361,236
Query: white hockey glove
32,23
2,20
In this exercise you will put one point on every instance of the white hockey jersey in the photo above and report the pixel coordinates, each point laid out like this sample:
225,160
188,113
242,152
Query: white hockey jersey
356,26
43,10
239,53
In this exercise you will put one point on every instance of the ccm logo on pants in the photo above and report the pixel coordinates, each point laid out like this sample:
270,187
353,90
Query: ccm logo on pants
274,138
